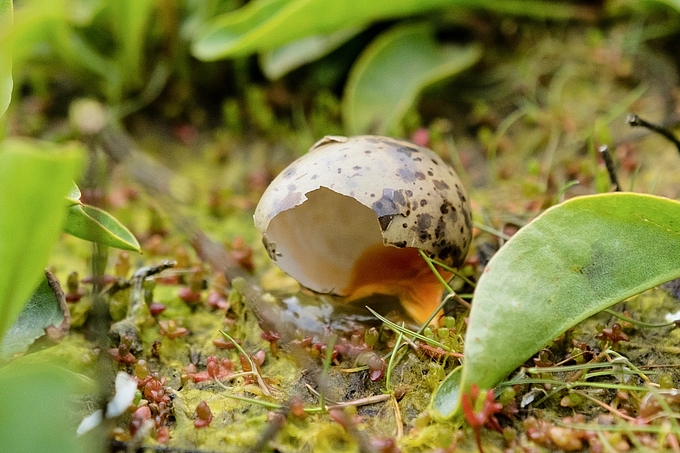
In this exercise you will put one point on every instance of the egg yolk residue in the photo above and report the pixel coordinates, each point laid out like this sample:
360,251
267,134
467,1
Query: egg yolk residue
399,272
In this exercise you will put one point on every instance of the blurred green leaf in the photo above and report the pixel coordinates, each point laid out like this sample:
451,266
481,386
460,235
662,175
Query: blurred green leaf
75,51
131,25
267,24
73,196
672,3
45,27
95,225
36,414
280,61
103,37
388,76
573,261
42,310
5,56
34,178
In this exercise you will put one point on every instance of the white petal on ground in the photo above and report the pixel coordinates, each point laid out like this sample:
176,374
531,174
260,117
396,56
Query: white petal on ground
90,422
126,387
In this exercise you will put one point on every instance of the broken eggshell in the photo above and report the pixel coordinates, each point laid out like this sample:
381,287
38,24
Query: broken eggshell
349,217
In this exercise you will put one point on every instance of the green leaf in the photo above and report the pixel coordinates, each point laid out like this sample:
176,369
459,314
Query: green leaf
6,83
34,178
93,224
54,28
280,61
672,3
130,20
36,413
445,399
73,196
388,76
571,262
44,309
267,24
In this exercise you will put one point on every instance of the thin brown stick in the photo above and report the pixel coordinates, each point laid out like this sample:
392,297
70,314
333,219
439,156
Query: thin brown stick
397,415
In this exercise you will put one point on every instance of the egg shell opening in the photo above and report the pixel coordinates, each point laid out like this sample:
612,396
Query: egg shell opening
348,196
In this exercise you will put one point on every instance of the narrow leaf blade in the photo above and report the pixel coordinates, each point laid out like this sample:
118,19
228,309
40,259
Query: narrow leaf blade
95,225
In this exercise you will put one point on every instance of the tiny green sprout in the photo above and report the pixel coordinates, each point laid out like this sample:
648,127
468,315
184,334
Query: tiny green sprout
666,381
443,332
507,396
428,332
72,282
371,337
444,438
422,420
573,399
74,293
509,435
449,322
577,355
138,398
141,369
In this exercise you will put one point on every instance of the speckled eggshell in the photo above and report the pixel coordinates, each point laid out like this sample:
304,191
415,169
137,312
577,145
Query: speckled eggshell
418,199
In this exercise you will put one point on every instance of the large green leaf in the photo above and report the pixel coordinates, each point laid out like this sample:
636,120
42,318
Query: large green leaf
672,3
37,414
93,224
280,61
54,30
43,309
34,178
5,56
267,24
571,262
393,70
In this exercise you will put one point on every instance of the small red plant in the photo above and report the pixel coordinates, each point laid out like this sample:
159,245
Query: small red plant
156,308
214,370
203,415
485,416
192,294
122,353
171,329
614,334
217,300
242,254
139,418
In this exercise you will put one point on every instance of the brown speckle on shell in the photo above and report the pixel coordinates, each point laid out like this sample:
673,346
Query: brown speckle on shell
440,185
